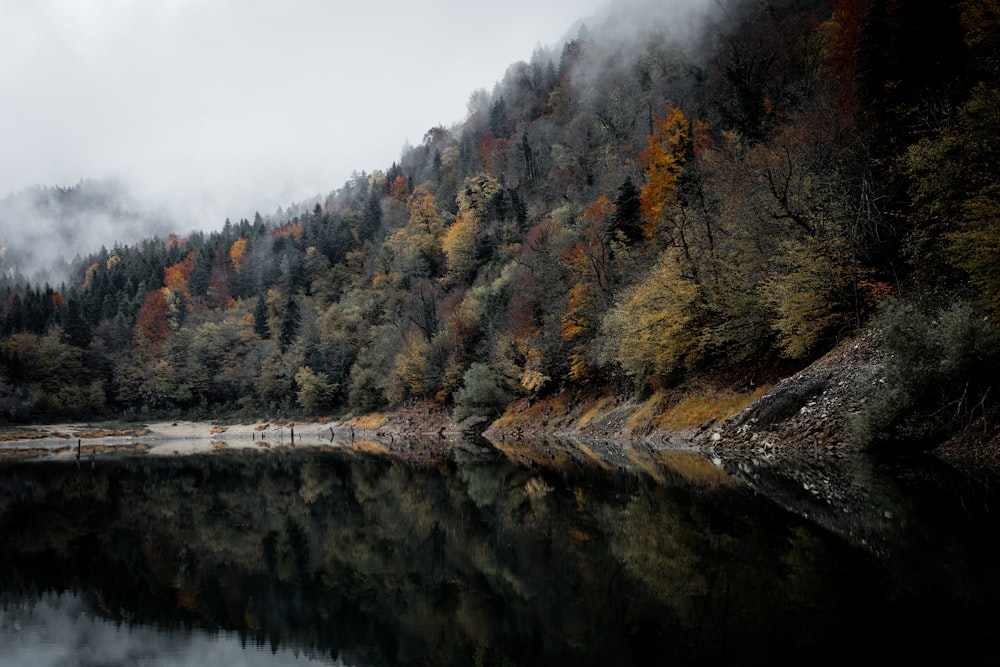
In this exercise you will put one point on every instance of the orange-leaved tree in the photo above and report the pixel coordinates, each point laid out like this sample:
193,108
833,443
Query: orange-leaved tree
673,143
152,327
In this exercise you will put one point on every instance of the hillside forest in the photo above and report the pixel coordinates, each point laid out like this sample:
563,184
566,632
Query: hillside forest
632,211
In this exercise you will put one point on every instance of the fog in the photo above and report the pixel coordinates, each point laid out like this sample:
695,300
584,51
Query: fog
203,111
223,108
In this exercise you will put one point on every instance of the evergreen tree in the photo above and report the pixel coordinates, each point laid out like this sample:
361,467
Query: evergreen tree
260,318
627,207
289,327
371,218
76,329
499,124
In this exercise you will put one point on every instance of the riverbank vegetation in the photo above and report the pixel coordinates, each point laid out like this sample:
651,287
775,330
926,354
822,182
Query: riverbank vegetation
622,214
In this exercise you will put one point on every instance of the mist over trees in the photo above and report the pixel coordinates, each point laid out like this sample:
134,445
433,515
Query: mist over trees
636,208
43,229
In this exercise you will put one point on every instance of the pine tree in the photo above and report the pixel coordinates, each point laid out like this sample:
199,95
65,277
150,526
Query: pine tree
289,324
76,329
260,318
626,217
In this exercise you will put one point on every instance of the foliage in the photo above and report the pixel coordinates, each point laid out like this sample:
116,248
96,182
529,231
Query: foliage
480,395
315,393
459,245
615,213
42,377
939,375
807,298
956,195
654,329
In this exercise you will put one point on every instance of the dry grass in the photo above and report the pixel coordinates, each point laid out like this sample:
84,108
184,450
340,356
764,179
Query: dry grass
103,449
540,411
371,422
22,435
647,413
262,427
662,410
697,409
29,451
113,433
595,411
218,444
218,429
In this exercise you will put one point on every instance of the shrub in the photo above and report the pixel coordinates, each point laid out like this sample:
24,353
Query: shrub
479,395
937,378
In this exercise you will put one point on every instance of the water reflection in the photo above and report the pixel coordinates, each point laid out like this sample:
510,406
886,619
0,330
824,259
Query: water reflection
518,555
57,631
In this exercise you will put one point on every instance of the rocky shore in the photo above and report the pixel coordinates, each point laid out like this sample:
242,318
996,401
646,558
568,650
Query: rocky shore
808,410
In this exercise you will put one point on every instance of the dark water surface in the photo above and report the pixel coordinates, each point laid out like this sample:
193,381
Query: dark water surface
335,556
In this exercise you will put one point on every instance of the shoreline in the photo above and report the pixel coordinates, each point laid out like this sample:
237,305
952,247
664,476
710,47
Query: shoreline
804,412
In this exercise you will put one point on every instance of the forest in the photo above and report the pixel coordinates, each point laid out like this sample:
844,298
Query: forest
627,212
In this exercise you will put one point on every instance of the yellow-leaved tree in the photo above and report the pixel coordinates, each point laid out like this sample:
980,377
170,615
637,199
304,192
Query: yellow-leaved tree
417,246
459,246
654,329
460,241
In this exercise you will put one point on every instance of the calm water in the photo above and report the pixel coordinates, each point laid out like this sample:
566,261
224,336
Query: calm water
594,557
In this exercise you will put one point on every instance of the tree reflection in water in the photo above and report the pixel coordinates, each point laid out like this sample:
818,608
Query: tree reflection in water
551,555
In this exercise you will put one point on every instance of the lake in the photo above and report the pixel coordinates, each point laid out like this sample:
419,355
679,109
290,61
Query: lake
542,554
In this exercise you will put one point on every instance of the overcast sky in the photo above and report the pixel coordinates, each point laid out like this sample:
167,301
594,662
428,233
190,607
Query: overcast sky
225,107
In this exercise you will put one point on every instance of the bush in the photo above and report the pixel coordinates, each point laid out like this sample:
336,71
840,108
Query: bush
938,376
480,395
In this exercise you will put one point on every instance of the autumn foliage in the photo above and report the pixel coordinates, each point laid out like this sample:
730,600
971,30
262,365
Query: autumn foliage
151,327
616,215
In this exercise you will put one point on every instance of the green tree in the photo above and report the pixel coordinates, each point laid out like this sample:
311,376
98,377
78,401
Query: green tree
940,374
956,196
76,329
260,326
315,392
480,396
628,208
290,320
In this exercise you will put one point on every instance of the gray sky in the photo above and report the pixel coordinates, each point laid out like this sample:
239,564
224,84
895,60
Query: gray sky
224,107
